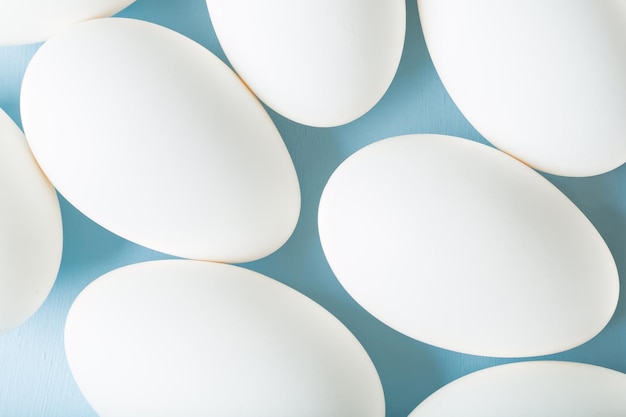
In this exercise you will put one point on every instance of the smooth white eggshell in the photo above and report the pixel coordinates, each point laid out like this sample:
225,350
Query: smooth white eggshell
153,137
318,62
463,247
192,338
30,21
542,388
31,232
543,80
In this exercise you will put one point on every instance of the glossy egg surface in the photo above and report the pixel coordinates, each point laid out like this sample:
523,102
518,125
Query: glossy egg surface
31,231
542,388
318,62
154,138
463,247
194,338
543,80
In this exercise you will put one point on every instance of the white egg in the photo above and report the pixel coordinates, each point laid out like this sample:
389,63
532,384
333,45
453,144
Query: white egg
463,247
153,137
190,338
543,80
318,62
543,388
30,21
31,232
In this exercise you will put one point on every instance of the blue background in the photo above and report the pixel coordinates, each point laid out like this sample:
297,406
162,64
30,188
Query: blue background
34,377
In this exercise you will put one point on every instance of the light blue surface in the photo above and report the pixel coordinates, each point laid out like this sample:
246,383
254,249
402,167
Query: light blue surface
34,377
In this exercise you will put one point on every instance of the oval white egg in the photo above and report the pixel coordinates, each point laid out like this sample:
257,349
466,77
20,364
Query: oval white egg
194,338
542,388
153,137
30,21
463,247
318,62
31,232
522,74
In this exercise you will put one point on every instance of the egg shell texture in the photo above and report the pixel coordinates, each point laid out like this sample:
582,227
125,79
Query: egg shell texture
543,80
192,338
540,388
31,232
463,247
318,62
153,137
30,21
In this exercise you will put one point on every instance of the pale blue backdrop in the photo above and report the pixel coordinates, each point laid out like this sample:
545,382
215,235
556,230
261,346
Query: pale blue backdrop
34,377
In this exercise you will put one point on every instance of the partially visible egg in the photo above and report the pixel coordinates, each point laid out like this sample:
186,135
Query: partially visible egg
31,232
318,62
31,21
153,137
543,80
542,388
192,338
463,247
